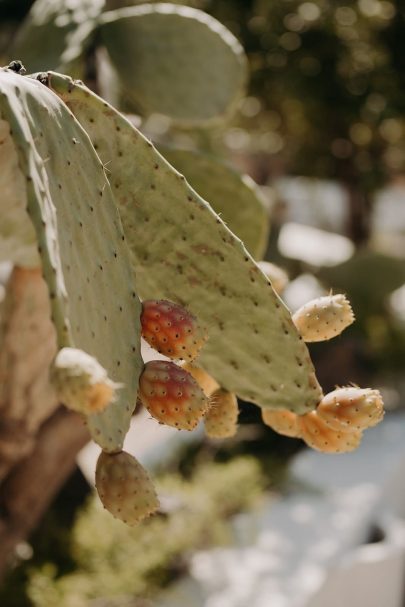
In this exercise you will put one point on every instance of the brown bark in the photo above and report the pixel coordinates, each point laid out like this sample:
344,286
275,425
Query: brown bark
27,348
30,487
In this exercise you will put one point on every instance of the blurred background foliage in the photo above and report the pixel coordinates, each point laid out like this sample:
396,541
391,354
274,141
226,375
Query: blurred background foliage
321,131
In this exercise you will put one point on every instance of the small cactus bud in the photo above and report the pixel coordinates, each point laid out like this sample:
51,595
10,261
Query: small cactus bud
203,379
282,421
171,395
351,408
318,435
171,329
124,487
81,383
221,420
323,318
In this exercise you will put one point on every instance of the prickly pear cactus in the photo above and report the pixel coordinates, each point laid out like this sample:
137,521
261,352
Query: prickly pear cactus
235,197
163,56
192,258
56,33
88,272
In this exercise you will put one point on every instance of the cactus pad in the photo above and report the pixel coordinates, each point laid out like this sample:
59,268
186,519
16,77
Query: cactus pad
175,60
235,197
183,251
88,271
55,33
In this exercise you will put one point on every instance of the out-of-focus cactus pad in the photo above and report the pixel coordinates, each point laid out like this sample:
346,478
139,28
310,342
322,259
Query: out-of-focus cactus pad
175,60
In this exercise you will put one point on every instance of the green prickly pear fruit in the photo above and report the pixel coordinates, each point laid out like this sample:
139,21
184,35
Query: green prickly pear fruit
221,420
124,487
323,318
351,408
172,395
282,421
171,329
318,435
203,379
81,383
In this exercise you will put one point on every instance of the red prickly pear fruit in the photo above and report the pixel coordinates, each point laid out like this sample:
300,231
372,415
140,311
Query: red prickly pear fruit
282,421
172,395
203,379
221,420
171,329
351,408
81,383
323,318
318,435
124,487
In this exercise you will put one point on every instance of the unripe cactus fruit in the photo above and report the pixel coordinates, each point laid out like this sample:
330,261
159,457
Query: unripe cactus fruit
124,487
351,408
318,435
203,379
171,395
221,420
171,329
282,421
81,383
323,318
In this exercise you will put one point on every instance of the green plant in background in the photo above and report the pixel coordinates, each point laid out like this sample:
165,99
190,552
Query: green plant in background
91,208
139,561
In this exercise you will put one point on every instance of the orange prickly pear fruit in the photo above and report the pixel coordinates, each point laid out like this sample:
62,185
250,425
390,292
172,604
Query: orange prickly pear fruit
351,408
124,487
318,435
282,421
323,318
172,395
171,329
221,420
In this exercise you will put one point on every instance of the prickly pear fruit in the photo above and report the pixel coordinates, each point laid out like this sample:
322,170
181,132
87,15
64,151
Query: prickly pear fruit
221,420
282,421
81,383
277,276
351,408
323,318
318,435
203,379
171,329
124,487
172,395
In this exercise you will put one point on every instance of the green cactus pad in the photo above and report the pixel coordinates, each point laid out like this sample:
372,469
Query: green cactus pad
175,60
235,197
55,33
184,252
85,259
